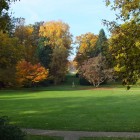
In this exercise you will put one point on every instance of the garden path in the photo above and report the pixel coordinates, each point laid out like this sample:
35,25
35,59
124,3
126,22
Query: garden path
75,135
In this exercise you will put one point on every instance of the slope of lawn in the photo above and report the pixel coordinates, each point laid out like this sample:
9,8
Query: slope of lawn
67,108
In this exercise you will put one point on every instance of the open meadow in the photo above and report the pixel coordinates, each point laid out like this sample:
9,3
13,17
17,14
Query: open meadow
73,108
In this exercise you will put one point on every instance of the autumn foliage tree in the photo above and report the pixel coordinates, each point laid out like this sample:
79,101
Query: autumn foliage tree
95,71
125,48
28,74
56,41
26,38
125,40
11,51
85,46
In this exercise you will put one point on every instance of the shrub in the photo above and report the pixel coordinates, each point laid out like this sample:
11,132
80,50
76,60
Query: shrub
83,81
9,131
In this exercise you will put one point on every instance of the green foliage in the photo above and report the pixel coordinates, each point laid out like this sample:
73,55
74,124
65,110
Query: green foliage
5,18
9,131
129,9
125,40
44,53
125,47
83,81
101,45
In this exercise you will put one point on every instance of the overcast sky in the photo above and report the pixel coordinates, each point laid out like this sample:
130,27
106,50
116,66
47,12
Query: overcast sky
82,15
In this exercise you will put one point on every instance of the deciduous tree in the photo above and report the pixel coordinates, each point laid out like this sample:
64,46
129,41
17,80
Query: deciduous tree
124,42
28,74
11,51
57,42
125,47
95,71
85,46
5,18
25,36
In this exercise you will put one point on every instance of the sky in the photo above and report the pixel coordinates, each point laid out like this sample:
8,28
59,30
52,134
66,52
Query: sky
82,16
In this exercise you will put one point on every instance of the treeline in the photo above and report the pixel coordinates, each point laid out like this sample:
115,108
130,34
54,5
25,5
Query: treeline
117,58
30,54
94,61
34,53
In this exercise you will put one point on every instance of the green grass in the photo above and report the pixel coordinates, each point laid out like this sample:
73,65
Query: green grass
96,110
31,137
66,108
109,139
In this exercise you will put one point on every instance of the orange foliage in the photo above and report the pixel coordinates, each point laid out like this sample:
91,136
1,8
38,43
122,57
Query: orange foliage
30,74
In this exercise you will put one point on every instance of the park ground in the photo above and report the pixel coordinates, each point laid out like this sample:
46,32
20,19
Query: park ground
79,108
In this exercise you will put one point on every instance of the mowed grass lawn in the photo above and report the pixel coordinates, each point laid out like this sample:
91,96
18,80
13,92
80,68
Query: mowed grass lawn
67,108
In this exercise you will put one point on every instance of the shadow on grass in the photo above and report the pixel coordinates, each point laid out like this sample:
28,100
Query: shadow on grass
102,113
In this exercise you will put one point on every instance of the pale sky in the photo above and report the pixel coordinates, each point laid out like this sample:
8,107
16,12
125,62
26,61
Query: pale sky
82,15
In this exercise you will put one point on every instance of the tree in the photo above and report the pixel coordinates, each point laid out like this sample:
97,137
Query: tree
5,18
86,45
57,33
124,42
58,65
86,42
11,51
129,9
28,74
125,48
95,71
44,52
56,45
35,33
25,36
101,46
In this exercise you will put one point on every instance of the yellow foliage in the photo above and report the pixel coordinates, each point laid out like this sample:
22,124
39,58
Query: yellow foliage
57,33
86,42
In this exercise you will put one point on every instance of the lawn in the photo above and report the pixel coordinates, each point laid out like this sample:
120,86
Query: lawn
67,108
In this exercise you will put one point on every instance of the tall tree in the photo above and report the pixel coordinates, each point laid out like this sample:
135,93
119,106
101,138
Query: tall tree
5,18
85,46
44,52
125,48
25,36
101,46
11,51
58,34
129,9
124,42
59,39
